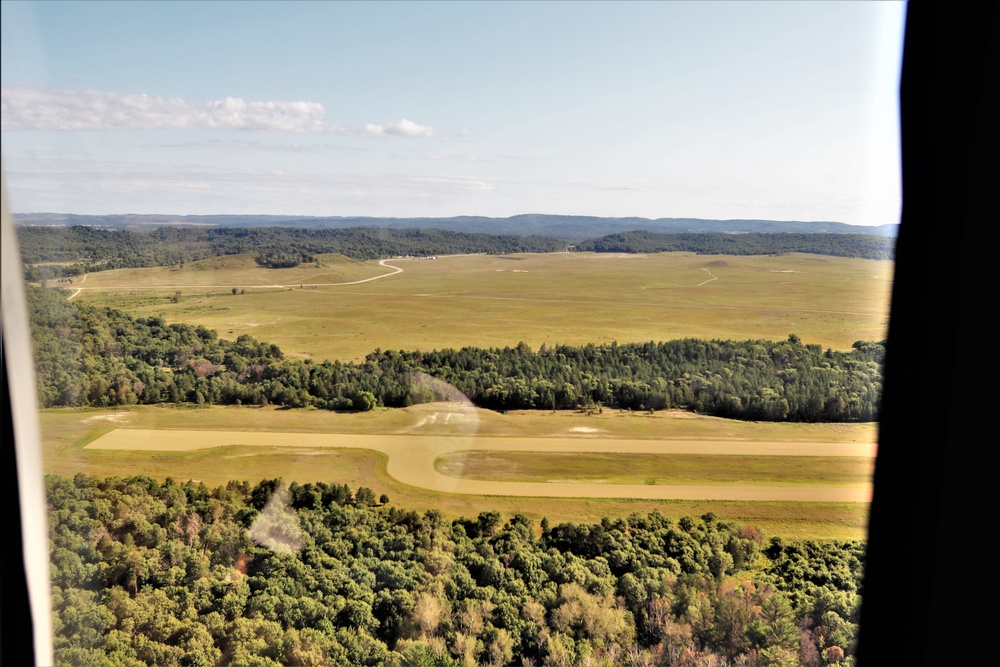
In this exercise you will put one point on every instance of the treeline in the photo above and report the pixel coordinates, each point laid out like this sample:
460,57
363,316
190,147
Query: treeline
754,379
59,252
865,246
56,252
150,573
95,356
100,357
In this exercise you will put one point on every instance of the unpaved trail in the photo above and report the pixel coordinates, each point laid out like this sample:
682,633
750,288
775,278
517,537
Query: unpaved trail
411,461
133,288
714,277
78,289
381,262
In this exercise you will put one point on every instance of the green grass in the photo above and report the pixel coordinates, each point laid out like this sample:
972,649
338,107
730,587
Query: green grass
657,468
491,301
66,432
230,271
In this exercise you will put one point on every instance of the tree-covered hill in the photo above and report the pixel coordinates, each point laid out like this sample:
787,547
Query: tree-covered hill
98,356
151,573
865,246
571,228
55,252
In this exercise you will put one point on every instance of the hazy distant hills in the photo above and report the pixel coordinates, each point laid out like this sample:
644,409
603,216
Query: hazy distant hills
571,228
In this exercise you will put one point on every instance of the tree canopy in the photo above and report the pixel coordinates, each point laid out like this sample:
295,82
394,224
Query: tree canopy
168,573
57,252
101,357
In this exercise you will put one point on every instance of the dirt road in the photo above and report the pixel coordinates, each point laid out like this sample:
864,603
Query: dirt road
411,461
132,288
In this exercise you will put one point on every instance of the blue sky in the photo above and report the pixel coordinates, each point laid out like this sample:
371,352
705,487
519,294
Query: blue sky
784,110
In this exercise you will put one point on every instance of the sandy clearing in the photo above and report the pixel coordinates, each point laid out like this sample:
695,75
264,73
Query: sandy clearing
113,417
411,461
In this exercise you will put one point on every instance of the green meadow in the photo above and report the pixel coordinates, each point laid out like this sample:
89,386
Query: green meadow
322,311
66,432
629,468
480,300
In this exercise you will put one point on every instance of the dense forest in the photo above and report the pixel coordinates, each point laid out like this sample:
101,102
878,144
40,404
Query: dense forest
150,573
54,252
100,357
57,252
837,245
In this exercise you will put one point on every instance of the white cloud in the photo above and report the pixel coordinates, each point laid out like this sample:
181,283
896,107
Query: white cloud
24,108
404,128
27,108
407,128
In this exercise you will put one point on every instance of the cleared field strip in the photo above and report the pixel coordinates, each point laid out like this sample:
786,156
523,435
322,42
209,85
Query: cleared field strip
629,468
411,461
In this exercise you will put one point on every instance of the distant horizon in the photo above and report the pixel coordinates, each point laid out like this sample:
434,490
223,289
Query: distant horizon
442,217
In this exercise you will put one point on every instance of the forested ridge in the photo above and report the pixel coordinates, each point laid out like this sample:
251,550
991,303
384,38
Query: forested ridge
94,356
166,573
572,228
80,249
865,246
57,252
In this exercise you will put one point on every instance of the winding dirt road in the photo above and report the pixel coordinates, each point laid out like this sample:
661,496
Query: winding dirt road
133,288
411,461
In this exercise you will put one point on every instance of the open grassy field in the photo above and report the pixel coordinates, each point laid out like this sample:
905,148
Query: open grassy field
329,311
234,271
655,469
569,298
67,432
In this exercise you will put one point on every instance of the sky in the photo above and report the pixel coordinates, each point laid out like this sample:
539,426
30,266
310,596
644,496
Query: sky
761,110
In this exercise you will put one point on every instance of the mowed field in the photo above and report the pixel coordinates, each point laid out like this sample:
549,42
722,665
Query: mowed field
481,300
207,446
657,469
344,309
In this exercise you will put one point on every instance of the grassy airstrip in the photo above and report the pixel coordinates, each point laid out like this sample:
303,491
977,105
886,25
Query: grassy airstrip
568,298
322,311
67,432
656,469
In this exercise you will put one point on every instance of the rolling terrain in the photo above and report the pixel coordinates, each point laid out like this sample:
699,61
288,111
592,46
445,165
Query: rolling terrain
478,300
343,309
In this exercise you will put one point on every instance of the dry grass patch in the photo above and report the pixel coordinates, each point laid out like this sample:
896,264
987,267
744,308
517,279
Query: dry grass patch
482,300
657,469
229,271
